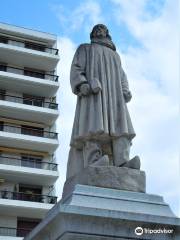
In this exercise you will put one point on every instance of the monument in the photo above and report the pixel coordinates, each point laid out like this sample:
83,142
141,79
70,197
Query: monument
104,196
102,132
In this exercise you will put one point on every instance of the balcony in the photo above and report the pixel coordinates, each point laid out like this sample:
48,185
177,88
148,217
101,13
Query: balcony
28,171
26,130
21,196
25,137
31,81
26,53
28,108
27,44
25,205
14,232
35,163
33,101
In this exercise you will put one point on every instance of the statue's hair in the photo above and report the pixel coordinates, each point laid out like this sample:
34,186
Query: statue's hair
95,29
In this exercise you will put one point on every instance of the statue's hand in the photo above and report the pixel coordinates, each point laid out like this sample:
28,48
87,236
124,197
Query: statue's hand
127,96
84,89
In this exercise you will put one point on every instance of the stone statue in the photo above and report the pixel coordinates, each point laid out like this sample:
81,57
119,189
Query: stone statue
102,130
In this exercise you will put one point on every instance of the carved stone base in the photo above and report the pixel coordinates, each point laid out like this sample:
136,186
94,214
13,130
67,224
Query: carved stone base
93,213
108,177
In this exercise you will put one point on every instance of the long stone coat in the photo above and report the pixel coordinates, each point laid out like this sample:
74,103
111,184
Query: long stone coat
103,115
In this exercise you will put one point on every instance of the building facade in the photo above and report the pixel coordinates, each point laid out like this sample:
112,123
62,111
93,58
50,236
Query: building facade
28,138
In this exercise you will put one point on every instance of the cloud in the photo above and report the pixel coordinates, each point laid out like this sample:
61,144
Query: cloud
83,17
152,71
67,103
153,75
158,36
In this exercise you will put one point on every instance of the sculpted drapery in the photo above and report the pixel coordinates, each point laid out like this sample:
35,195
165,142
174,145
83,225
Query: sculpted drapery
102,119
103,114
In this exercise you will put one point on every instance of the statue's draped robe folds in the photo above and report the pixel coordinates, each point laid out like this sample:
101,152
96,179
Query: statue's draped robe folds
103,115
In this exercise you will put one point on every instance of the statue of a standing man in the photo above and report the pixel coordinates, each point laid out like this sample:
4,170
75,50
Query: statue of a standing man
102,130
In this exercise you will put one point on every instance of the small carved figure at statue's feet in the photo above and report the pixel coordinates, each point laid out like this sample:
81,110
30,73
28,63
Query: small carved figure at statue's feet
103,161
93,155
133,163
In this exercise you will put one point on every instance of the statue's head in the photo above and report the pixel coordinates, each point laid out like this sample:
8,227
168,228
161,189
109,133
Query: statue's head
100,31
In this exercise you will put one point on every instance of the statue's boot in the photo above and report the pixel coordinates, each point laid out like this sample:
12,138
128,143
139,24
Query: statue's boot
121,149
103,161
134,163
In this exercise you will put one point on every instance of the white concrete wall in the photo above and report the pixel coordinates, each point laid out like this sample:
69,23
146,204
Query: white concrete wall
16,161
11,124
12,96
14,70
10,238
28,33
8,160
16,43
15,55
45,190
9,186
18,94
8,221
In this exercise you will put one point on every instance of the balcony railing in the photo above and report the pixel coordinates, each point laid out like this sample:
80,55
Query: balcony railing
31,197
28,131
26,44
35,163
38,102
14,232
29,73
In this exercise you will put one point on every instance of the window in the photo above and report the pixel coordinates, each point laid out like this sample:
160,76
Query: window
1,161
25,225
31,161
35,46
34,131
2,94
30,193
3,67
34,73
28,188
1,126
33,100
3,39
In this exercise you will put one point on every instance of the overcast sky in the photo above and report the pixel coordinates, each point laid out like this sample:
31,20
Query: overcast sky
146,35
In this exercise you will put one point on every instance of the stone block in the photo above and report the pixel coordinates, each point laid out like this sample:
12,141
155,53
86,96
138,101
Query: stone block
108,177
93,213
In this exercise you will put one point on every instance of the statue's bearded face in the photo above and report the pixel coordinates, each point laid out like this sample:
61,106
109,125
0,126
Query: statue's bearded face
99,31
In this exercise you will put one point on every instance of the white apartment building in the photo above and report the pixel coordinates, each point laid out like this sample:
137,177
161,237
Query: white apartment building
28,138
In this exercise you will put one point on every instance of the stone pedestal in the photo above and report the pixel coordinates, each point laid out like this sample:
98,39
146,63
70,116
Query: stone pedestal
94,213
108,177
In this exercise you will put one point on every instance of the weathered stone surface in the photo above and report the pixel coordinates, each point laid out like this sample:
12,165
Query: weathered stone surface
93,213
108,177
101,117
